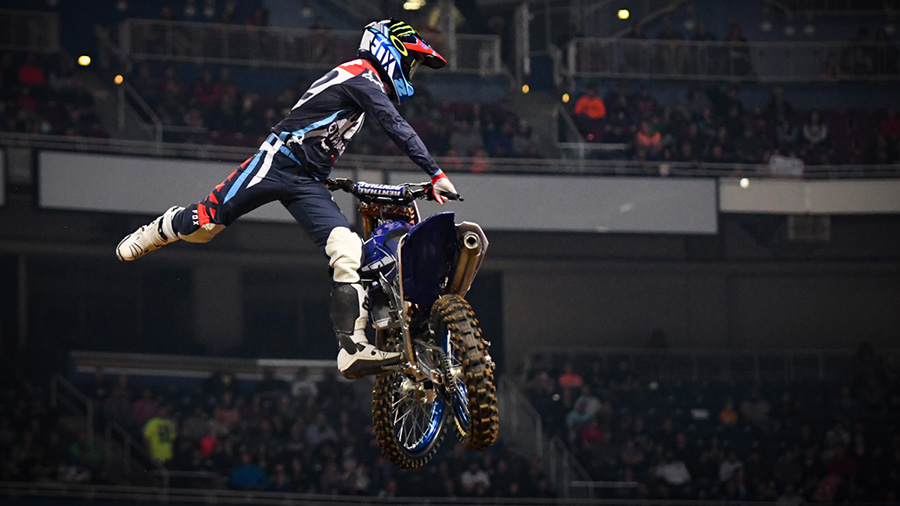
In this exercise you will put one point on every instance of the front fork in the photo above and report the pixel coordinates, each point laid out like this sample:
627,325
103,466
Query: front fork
427,366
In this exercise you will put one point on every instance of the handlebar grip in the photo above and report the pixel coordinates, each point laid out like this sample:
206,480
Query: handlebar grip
452,196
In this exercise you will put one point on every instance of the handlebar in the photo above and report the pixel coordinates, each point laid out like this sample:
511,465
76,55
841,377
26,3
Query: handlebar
386,193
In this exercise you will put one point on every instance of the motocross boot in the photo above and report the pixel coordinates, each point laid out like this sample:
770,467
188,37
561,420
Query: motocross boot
356,357
149,237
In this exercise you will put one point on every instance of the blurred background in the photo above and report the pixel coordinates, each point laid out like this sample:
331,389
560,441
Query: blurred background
692,289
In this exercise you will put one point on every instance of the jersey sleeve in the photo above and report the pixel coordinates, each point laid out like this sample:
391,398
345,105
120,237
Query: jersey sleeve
369,96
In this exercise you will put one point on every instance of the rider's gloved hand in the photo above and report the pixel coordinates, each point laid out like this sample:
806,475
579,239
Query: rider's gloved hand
440,184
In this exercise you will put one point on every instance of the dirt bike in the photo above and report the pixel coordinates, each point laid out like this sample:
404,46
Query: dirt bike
416,274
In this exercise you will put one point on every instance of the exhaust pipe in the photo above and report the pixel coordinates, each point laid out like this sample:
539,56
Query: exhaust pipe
471,253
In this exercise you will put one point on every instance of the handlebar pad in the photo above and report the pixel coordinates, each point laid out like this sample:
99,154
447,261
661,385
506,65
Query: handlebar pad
380,190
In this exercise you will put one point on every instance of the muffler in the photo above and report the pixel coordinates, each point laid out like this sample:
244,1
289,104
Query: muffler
473,244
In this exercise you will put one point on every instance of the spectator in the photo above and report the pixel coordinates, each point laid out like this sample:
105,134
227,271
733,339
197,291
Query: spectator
697,102
634,49
280,482
99,388
647,142
702,61
159,435
576,420
589,113
206,91
729,467
755,409
750,148
859,56
645,103
738,52
778,107
30,73
248,475
787,136
569,381
302,386
815,133
619,106
790,497
675,475
671,50
210,442
472,477
728,417
721,149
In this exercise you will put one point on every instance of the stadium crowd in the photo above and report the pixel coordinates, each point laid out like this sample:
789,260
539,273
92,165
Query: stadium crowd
44,95
713,125
304,436
226,114
785,443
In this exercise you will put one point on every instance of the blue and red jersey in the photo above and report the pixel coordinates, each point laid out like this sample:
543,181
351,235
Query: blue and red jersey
332,111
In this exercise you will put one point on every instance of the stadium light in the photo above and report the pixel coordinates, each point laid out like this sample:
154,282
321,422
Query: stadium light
565,98
413,5
624,14
84,60
118,79
526,88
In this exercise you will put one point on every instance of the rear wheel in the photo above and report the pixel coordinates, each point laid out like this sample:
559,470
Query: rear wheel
408,416
471,372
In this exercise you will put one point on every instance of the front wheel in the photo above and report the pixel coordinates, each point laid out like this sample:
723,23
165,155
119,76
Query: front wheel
471,372
408,415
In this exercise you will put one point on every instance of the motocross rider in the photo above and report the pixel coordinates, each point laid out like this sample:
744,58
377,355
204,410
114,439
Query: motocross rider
296,158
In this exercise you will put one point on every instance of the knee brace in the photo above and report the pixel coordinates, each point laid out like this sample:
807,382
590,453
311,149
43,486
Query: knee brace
204,233
344,250
348,314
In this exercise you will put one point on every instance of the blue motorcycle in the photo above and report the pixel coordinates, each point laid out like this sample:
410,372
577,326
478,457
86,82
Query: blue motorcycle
416,273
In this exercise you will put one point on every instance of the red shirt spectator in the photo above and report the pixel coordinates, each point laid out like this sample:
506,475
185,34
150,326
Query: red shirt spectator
30,74
591,106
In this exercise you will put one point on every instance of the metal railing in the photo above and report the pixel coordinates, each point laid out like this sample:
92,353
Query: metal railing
118,445
133,459
738,61
490,165
30,31
63,393
838,7
272,47
96,493
522,424
764,366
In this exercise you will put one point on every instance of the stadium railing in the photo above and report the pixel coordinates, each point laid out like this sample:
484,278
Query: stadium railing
772,366
731,61
574,166
31,31
123,454
272,47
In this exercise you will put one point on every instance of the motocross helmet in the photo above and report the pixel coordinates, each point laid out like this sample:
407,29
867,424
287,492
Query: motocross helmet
396,49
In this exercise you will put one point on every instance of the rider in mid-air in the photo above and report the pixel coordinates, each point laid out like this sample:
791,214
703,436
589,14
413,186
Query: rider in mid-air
295,160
